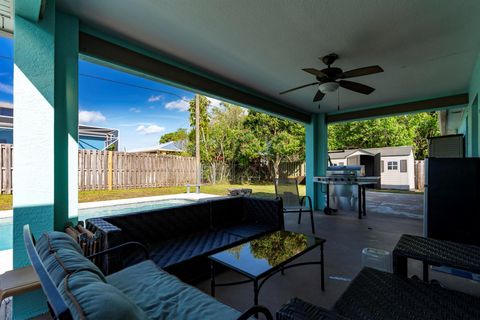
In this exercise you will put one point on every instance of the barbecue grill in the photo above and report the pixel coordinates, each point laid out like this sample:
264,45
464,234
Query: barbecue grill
345,180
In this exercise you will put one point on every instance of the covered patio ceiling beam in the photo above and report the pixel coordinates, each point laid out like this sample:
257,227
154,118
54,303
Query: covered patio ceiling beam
396,109
104,50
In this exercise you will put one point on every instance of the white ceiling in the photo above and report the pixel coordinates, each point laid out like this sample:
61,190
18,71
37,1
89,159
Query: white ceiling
427,48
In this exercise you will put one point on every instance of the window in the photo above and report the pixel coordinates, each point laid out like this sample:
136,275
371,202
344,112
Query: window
403,165
392,165
382,165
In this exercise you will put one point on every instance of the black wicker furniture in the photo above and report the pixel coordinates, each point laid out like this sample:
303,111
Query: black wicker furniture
434,252
180,239
261,258
297,309
379,295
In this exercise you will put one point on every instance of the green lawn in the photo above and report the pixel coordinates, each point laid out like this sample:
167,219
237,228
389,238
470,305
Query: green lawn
100,195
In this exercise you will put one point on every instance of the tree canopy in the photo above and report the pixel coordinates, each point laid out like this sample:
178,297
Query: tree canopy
240,144
179,135
406,130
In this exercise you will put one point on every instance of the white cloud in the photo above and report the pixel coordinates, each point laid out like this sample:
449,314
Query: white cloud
214,102
5,104
180,105
150,129
90,116
133,109
155,98
6,88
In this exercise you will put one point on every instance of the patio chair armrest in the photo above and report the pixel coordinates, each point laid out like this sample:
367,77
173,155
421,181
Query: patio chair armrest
302,200
255,310
122,246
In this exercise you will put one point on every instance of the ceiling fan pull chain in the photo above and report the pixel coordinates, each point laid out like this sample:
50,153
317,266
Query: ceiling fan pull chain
338,100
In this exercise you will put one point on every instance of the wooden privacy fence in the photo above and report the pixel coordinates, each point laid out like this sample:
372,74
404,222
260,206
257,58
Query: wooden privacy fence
7,168
106,170
419,174
292,169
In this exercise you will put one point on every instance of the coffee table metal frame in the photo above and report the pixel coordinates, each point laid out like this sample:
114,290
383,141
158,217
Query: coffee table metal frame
259,280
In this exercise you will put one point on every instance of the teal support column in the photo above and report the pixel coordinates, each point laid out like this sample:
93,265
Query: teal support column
472,139
66,120
45,98
316,157
474,128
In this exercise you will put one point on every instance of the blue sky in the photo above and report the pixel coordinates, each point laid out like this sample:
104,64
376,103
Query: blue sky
140,114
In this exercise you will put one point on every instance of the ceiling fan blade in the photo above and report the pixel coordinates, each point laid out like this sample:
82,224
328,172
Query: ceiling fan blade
361,72
319,96
305,85
355,86
315,72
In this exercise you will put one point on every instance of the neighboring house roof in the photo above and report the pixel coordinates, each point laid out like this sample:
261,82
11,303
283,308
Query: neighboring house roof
171,146
385,152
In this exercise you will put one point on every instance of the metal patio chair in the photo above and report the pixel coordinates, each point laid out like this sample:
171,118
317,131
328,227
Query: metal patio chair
287,190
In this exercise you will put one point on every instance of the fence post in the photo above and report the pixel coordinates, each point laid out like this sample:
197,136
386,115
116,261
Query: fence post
110,170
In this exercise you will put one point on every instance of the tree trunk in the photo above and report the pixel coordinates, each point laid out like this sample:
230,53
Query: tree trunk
276,166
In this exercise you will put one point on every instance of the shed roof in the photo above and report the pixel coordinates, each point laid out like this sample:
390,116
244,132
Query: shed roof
385,152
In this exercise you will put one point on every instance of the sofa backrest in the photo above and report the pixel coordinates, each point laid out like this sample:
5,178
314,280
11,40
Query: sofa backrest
150,227
74,286
264,211
226,212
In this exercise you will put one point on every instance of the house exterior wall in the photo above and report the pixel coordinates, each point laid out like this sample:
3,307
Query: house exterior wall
91,143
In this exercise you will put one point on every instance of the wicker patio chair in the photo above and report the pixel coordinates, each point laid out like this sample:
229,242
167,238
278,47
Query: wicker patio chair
287,190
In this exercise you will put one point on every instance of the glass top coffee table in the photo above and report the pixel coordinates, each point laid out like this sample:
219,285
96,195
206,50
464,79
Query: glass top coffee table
261,258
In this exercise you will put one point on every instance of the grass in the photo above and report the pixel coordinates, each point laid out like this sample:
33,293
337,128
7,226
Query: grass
263,190
6,202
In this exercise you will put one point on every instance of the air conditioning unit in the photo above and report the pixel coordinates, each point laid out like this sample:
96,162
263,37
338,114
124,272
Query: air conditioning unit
450,146
6,17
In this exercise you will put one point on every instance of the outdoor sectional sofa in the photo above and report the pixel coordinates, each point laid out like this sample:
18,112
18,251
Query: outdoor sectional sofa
180,239
77,289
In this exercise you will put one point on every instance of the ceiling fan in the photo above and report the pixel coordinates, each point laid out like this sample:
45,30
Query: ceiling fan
330,78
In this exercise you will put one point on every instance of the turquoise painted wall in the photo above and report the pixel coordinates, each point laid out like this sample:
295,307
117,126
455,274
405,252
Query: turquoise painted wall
45,135
316,157
471,120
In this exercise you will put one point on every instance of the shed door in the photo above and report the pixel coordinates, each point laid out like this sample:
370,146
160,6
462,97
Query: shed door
353,161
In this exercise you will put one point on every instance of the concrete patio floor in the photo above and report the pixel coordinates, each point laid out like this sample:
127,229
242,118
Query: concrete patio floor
346,237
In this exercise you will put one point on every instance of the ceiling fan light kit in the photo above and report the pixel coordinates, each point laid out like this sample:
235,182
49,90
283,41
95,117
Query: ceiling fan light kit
327,87
327,78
